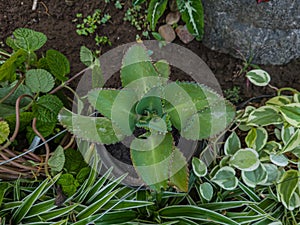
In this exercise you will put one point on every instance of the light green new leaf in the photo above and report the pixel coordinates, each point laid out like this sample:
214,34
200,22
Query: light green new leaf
156,9
58,63
263,116
225,178
257,138
179,172
254,177
27,39
192,14
86,56
57,160
258,77
206,191
245,159
39,80
4,131
291,113
232,144
151,158
195,213
293,142
287,186
199,167
46,108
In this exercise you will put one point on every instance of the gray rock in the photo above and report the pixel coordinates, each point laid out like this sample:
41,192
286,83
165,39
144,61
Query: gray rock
173,17
267,32
184,35
167,32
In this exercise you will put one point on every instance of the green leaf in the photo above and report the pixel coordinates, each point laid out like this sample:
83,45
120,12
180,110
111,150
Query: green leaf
137,71
28,39
86,56
192,14
278,101
97,76
151,159
206,191
163,69
7,110
194,213
272,173
257,138
232,144
46,108
21,90
245,159
8,68
57,160
58,63
74,161
156,9
287,186
225,178
83,174
95,129
57,213
44,129
199,167
286,133
179,173
263,116
39,80
3,188
258,77
293,142
291,113
68,184
279,159
254,177
4,131
138,2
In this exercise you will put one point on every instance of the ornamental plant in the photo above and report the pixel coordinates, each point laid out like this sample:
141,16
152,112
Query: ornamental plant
261,157
154,108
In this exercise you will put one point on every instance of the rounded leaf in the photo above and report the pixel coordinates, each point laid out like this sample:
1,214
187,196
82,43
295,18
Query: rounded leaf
199,167
257,138
225,178
39,80
279,160
245,159
291,113
206,191
258,77
232,144
252,178
4,131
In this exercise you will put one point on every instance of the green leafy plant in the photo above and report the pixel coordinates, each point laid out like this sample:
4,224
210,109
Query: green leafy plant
147,103
233,94
264,149
191,13
137,18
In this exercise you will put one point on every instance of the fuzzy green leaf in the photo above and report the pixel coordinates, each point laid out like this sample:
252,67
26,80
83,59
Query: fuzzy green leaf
245,159
46,108
4,131
58,63
8,68
199,167
232,144
57,160
28,39
86,56
151,158
68,184
95,129
258,77
291,113
192,14
39,80
25,119
74,161
44,129
225,178
21,90
156,9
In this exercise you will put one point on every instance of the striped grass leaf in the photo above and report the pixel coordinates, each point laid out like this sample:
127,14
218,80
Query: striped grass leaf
155,11
219,206
126,204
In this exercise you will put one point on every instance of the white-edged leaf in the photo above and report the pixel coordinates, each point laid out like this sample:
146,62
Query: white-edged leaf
279,159
155,10
257,138
293,142
291,113
272,174
225,178
206,191
39,80
278,101
252,178
245,159
232,144
199,167
258,77
264,116
286,133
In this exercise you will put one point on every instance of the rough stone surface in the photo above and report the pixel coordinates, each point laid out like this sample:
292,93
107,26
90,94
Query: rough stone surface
184,35
167,32
268,32
173,17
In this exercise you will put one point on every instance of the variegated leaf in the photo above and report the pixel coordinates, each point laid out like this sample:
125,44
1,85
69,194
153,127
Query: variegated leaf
258,77
291,113
264,116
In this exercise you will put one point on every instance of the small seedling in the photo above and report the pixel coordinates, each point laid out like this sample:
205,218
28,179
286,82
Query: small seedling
233,94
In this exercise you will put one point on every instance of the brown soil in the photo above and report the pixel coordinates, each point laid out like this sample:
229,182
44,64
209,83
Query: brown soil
54,18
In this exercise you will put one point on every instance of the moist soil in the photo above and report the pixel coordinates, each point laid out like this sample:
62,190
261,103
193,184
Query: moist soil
55,18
